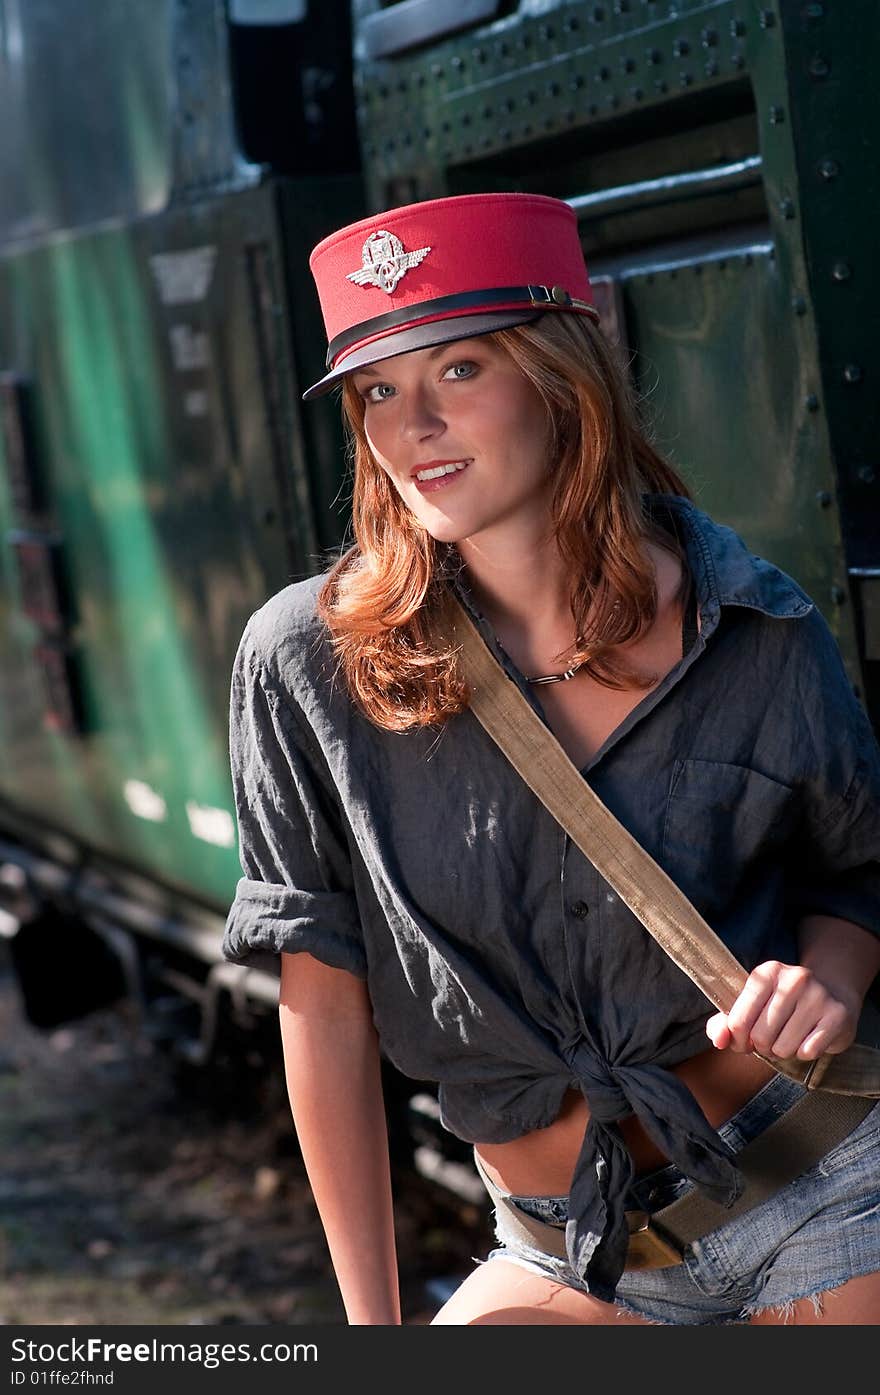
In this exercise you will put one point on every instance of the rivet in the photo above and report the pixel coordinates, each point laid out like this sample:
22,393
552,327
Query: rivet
457,62
811,402
823,499
838,595
853,373
819,67
637,94
766,19
711,69
661,86
709,38
738,61
867,474
653,56
737,28
627,65
685,79
681,48
841,271
799,304
598,14
786,207
777,116
603,74
577,82
621,7
829,169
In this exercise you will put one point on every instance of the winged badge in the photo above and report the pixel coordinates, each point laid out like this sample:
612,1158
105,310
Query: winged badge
385,262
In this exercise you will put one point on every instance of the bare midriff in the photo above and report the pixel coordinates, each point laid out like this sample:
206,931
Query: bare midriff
542,1163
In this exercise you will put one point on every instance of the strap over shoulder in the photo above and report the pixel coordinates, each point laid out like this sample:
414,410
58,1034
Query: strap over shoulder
664,910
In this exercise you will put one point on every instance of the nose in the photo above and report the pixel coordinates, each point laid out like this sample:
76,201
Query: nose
420,416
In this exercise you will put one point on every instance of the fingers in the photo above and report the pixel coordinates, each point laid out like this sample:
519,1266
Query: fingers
783,1011
750,1005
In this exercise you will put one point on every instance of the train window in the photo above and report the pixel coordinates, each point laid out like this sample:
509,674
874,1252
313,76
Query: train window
85,113
292,83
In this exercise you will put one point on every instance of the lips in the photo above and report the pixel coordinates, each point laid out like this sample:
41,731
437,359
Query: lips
441,474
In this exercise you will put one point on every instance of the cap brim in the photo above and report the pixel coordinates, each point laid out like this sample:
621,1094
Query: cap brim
427,336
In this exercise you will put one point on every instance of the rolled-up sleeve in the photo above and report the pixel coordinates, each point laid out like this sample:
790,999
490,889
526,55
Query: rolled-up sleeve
838,865
297,891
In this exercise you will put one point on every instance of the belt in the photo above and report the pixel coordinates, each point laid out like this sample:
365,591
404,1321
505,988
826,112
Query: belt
787,1148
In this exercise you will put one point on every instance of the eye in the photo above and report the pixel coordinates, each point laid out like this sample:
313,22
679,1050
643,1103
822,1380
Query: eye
377,392
460,371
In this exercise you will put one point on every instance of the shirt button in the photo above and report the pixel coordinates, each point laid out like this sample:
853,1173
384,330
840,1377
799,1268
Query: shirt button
580,909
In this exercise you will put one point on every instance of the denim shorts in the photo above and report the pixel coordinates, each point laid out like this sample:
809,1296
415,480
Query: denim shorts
810,1237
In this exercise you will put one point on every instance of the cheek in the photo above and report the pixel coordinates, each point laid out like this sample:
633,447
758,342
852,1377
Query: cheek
529,429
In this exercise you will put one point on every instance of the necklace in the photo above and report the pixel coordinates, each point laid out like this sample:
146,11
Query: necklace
557,677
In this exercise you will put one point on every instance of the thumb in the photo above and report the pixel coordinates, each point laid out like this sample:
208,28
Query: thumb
718,1031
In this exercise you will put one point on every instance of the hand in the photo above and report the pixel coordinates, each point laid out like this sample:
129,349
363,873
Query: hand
784,1010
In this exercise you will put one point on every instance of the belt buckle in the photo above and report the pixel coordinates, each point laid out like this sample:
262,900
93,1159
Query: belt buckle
648,1249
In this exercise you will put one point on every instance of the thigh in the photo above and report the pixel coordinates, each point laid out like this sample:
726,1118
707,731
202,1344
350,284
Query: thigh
502,1294
855,1303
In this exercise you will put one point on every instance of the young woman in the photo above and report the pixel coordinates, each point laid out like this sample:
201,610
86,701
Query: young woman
424,902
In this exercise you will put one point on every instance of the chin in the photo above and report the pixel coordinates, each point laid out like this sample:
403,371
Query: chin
444,530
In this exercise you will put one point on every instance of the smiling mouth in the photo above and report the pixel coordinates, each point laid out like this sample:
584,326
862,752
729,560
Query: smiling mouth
435,472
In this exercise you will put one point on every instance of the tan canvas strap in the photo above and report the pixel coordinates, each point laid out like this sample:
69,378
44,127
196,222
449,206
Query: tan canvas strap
642,885
787,1148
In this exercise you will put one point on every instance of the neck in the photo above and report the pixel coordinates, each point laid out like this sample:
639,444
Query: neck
525,591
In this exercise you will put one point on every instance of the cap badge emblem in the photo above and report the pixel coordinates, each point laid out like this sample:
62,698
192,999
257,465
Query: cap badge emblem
385,262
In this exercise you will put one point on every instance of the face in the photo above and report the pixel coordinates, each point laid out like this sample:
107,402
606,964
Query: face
463,435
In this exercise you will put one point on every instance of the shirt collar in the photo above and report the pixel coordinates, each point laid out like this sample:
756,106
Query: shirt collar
724,571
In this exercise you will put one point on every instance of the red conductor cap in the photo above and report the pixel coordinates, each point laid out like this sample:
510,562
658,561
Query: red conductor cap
429,273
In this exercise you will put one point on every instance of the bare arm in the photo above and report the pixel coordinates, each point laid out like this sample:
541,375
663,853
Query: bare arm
332,1067
808,1008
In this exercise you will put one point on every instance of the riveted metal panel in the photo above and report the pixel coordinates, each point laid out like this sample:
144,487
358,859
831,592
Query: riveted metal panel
165,390
686,136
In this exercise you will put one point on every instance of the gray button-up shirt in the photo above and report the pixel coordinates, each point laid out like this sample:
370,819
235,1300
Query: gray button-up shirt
499,963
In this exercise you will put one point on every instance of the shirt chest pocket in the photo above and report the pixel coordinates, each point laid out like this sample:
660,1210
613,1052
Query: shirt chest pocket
723,823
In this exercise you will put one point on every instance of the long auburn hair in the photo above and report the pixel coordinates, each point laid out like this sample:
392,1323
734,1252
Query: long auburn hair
383,599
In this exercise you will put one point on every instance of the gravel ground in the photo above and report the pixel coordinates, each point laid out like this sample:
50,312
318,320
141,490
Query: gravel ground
134,1193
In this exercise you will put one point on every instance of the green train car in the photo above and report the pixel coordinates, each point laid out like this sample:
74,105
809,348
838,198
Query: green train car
164,171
